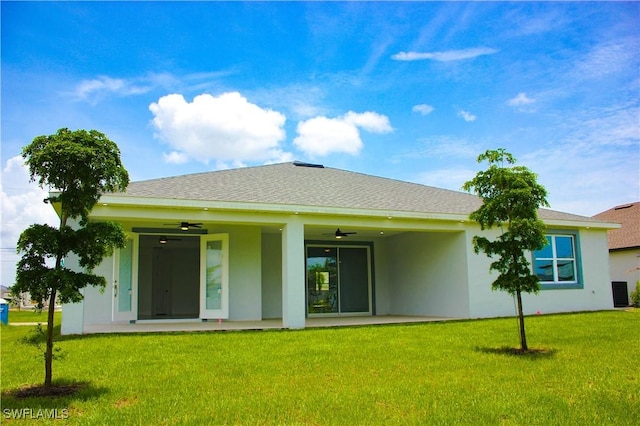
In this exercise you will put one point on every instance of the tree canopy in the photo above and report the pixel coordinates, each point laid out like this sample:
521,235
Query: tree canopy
80,165
511,197
77,166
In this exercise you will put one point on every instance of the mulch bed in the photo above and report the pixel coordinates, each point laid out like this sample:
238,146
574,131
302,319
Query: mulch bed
54,391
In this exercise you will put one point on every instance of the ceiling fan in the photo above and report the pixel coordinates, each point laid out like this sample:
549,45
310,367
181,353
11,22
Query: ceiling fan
339,234
185,226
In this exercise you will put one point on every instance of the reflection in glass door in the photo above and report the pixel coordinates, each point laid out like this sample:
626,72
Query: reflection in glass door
214,281
338,280
322,280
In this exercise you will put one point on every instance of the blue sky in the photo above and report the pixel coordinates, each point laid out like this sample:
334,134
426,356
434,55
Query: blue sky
411,91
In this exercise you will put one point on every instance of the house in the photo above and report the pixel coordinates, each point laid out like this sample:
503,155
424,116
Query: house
295,241
5,292
624,250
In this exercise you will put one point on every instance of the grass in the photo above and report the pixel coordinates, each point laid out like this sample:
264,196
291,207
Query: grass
30,315
587,371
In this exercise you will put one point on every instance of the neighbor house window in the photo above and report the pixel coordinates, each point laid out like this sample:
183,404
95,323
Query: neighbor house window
557,263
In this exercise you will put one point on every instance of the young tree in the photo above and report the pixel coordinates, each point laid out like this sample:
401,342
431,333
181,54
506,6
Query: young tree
510,197
78,166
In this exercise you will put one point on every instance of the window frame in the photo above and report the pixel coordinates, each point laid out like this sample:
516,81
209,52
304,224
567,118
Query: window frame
577,259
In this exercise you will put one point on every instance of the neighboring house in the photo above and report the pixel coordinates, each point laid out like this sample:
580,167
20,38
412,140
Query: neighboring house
624,250
296,240
5,292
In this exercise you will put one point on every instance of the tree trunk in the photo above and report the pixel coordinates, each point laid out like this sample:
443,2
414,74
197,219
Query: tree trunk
48,355
523,337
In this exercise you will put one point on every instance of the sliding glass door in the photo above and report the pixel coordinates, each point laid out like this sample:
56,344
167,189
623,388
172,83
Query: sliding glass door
338,280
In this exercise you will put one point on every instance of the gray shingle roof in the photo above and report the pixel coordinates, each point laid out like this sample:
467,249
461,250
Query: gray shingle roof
288,184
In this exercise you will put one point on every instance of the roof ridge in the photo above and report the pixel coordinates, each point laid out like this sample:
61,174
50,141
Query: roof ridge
402,181
211,171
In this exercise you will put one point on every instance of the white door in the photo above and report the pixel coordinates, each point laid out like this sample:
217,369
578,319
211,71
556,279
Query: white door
214,276
124,281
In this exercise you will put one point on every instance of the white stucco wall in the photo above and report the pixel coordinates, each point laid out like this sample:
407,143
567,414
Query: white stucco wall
97,304
427,274
245,272
72,313
595,294
625,266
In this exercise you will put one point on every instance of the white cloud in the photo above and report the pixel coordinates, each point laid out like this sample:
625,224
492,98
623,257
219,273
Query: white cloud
423,109
223,128
466,116
520,100
369,121
606,59
320,136
21,206
98,87
446,56
175,157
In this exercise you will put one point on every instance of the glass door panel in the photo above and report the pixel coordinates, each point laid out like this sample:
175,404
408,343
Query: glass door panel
354,279
124,277
214,291
322,280
338,280
213,294
123,283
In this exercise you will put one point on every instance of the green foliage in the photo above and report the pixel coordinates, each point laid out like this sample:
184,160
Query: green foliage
510,197
635,295
424,374
78,166
17,298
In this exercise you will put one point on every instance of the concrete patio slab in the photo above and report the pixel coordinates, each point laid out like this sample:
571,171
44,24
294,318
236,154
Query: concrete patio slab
163,326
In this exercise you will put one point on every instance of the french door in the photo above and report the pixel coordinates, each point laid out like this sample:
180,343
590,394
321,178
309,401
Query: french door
338,280
214,276
124,282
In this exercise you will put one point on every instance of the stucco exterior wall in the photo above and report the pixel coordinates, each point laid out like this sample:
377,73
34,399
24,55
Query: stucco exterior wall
98,305
426,274
595,294
245,272
72,314
625,266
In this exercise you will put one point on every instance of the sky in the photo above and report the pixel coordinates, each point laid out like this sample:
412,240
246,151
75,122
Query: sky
406,90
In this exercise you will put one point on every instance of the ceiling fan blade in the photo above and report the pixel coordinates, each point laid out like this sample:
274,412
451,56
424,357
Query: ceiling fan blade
340,234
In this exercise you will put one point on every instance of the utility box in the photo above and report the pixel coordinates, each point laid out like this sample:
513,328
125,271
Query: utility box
4,311
620,294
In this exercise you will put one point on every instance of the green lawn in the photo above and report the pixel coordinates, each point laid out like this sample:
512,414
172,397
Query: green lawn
30,315
432,373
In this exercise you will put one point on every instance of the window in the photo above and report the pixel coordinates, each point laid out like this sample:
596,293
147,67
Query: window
557,263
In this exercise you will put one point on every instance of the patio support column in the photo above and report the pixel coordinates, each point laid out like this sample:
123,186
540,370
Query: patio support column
293,274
